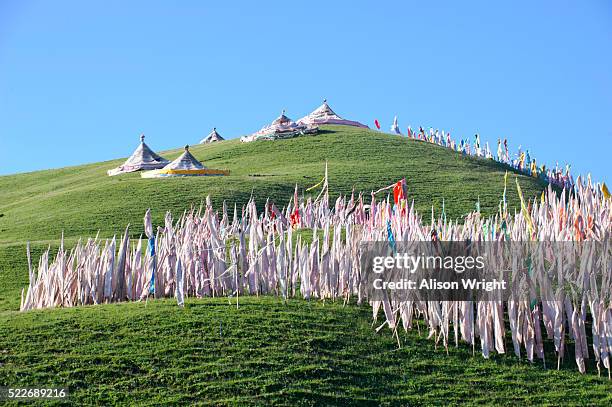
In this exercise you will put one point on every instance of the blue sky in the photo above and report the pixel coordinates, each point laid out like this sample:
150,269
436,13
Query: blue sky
79,81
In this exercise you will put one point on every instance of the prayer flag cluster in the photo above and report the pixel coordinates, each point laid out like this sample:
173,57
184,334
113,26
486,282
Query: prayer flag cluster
207,253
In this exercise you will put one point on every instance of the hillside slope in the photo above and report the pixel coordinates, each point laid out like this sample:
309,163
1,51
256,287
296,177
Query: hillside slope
266,353
80,201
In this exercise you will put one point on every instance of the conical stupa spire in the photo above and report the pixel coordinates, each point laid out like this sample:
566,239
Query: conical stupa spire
212,137
143,158
325,115
185,161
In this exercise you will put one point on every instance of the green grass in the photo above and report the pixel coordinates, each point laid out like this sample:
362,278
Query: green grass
81,200
268,352
265,352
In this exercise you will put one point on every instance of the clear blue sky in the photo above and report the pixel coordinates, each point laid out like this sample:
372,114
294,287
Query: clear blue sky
80,80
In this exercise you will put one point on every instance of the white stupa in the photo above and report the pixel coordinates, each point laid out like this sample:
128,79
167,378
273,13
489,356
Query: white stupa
143,158
184,166
325,115
282,127
212,137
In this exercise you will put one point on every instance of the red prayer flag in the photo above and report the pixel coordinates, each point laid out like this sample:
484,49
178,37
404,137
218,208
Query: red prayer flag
377,124
398,191
295,218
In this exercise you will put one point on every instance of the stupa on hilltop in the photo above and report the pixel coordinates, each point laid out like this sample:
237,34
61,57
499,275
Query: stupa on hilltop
212,137
143,158
325,115
281,128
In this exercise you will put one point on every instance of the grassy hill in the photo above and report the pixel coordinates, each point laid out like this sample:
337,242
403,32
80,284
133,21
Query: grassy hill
265,351
80,201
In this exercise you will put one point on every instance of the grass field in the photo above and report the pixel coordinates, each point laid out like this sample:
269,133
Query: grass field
265,351
81,200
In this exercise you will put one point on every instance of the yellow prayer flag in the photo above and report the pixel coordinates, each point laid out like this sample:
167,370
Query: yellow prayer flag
605,191
524,208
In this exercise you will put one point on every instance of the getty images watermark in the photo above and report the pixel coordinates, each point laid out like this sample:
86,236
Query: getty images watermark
410,263
474,271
